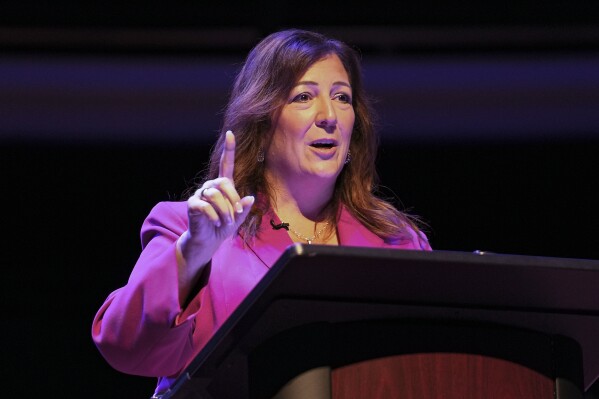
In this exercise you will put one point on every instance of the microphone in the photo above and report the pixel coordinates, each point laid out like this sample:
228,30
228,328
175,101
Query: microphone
279,226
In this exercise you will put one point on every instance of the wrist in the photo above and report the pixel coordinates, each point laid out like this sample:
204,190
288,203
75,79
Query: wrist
192,254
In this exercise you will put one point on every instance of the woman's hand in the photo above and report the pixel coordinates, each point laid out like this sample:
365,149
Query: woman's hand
215,212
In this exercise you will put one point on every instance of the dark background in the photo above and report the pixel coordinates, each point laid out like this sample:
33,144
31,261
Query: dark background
489,126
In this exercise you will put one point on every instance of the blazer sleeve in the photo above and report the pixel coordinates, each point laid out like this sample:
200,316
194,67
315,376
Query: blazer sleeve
141,328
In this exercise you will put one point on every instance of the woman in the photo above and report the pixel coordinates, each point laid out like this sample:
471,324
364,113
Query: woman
298,168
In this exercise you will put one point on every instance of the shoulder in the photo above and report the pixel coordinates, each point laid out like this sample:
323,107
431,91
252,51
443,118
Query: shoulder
165,217
169,209
354,233
414,240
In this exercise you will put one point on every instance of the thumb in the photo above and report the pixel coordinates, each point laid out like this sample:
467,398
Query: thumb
246,204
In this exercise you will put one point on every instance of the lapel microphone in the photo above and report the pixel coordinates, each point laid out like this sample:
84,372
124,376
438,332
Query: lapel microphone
279,226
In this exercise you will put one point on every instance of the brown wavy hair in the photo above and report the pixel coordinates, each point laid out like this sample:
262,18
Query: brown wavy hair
261,88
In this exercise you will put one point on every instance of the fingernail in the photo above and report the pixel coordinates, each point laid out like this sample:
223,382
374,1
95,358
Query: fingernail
238,207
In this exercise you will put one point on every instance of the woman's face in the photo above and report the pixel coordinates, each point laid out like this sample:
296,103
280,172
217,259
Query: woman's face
312,130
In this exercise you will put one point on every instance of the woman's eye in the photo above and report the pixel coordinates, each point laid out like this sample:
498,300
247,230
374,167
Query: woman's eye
301,98
344,98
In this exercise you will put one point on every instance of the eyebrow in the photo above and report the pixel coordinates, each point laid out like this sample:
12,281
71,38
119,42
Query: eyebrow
312,83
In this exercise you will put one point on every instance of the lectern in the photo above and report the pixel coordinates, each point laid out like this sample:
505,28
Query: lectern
345,322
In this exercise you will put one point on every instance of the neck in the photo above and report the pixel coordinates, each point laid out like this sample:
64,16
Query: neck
307,199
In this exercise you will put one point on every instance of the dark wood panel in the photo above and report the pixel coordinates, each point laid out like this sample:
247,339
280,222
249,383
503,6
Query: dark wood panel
439,375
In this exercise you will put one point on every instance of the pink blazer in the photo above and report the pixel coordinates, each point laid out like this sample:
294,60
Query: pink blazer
142,328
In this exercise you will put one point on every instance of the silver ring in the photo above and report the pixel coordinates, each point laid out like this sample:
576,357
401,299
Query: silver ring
202,193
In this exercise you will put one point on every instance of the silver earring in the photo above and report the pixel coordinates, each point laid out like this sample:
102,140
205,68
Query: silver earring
348,157
260,158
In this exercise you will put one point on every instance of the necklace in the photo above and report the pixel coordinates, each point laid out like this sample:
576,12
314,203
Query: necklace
309,240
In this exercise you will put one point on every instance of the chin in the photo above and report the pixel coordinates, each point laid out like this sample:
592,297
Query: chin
326,173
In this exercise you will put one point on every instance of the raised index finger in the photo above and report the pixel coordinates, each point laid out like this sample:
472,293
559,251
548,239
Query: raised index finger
227,160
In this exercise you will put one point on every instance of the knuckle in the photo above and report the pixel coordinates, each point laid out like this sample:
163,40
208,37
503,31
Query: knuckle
204,207
222,181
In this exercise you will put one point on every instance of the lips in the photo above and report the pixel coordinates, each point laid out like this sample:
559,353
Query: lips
325,144
325,149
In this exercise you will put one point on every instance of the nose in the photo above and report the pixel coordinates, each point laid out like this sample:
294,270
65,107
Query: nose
326,116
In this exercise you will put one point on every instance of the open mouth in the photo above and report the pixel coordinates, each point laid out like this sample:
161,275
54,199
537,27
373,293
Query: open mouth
323,144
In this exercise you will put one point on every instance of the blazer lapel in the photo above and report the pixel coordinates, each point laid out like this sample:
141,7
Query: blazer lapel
353,233
269,244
